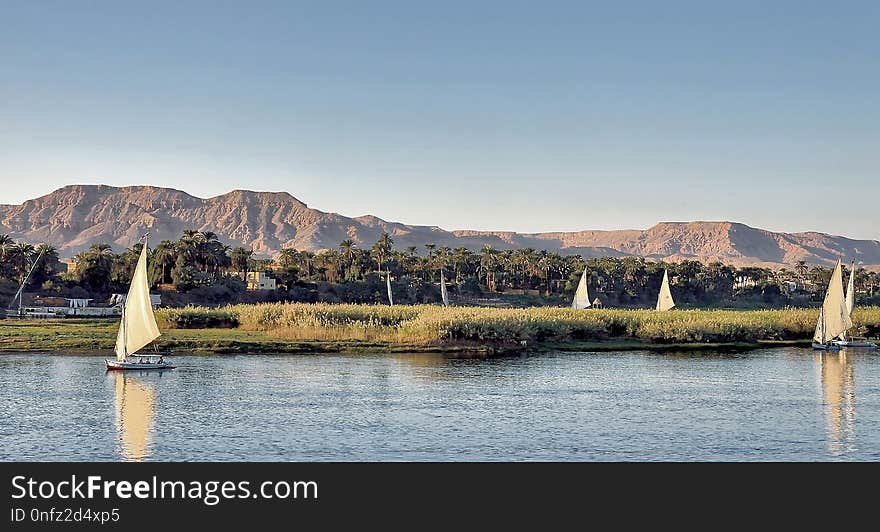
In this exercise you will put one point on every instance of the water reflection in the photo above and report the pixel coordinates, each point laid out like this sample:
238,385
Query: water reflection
839,400
135,413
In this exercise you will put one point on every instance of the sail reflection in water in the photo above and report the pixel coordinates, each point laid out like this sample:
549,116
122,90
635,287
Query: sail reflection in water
839,400
135,412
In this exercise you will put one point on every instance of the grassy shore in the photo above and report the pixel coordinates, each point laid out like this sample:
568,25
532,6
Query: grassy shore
315,328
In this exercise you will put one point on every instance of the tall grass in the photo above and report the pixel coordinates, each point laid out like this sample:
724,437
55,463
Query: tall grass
433,324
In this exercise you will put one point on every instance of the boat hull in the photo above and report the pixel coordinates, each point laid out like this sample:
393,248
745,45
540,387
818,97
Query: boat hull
115,365
826,347
859,344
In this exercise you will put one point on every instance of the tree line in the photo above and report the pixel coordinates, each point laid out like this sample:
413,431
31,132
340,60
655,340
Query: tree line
208,271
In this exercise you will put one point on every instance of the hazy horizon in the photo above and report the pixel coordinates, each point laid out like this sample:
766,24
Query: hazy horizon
563,116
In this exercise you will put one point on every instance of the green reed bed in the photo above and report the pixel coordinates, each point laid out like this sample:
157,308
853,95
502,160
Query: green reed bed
430,324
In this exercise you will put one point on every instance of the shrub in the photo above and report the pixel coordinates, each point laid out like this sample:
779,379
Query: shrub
432,323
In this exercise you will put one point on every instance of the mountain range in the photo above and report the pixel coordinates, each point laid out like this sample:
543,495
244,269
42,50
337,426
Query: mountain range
76,216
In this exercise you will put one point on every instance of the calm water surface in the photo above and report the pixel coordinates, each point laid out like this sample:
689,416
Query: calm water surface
775,404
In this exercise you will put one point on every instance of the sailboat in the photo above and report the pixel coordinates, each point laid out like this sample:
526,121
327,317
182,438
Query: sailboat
581,295
664,298
850,302
444,295
834,317
388,283
137,327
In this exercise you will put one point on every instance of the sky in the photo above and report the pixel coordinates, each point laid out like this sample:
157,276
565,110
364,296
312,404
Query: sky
525,116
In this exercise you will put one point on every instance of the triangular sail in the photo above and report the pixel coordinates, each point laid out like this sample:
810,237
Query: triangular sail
834,318
581,295
388,284
443,293
819,335
137,327
664,299
850,300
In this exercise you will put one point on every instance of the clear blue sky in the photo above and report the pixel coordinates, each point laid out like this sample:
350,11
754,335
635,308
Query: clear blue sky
528,116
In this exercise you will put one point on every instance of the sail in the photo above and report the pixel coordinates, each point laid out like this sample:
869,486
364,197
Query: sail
388,283
443,293
137,327
851,291
819,335
664,299
850,300
834,317
581,295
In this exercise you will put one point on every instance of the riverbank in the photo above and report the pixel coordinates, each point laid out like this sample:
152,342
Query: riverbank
304,328
99,337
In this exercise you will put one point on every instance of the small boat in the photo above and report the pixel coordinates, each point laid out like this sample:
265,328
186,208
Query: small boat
444,295
140,362
856,341
850,302
137,326
834,317
581,295
664,298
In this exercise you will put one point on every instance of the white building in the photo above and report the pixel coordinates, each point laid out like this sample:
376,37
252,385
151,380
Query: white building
260,281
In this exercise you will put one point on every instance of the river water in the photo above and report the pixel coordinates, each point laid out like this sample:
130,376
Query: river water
771,404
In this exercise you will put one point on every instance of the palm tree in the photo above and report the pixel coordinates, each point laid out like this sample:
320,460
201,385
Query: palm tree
328,262
240,259
382,249
5,246
5,243
460,258
287,258
47,264
164,256
488,264
347,249
20,256
801,268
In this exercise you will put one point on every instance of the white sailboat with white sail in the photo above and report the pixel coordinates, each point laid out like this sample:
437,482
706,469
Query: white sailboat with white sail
850,303
444,294
137,327
581,295
834,318
664,298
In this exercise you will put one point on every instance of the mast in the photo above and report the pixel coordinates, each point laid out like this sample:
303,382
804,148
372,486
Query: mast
444,295
20,293
388,284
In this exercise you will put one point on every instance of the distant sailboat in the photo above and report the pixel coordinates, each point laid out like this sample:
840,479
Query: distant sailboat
443,293
664,299
388,283
581,295
850,303
834,318
137,327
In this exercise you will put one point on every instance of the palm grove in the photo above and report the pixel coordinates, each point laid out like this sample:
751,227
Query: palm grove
200,269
